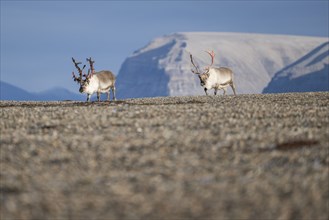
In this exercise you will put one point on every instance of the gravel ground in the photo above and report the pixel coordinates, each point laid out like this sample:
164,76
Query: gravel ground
223,157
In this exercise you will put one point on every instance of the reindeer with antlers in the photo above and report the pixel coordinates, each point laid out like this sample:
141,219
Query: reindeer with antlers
214,77
94,82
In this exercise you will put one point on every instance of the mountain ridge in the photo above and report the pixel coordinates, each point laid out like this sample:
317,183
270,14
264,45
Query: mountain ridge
309,73
12,92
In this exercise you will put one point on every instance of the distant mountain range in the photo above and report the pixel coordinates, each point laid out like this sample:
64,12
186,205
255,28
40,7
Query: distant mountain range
163,68
260,62
11,92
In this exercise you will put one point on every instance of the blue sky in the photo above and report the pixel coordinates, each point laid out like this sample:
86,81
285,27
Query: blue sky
38,38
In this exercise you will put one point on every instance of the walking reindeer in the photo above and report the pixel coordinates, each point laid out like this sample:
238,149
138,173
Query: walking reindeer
214,77
94,82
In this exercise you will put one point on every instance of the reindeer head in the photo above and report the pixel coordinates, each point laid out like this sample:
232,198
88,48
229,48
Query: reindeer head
203,75
84,82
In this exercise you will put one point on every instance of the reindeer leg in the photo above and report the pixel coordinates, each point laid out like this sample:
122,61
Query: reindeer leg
113,91
99,96
205,90
215,92
108,95
233,87
224,91
88,97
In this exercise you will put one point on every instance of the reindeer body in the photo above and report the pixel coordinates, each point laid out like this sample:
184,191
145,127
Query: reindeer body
214,77
99,82
94,82
218,78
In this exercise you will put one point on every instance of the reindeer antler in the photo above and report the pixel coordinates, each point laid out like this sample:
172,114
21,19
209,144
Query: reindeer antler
75,78
212,54
78,79
197,69
91,63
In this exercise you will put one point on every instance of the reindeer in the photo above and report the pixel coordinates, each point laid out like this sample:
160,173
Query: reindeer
213,77
94,82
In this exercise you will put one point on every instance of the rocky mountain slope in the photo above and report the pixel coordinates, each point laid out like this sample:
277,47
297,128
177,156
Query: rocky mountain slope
310,73
163,68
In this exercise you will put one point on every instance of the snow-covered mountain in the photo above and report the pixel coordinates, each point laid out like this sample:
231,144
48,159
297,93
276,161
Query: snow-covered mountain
11,92
310,73
163,67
